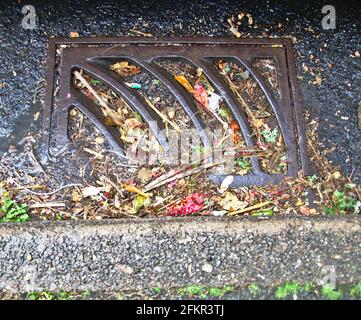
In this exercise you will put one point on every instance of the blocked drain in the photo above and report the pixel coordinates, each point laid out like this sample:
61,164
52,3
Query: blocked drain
96,56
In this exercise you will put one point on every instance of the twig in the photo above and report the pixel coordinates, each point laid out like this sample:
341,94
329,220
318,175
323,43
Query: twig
141,33
33,158
157,182
103,104
182,174
94,153
164,117
113,185
256,206
49,193
92,91
47,205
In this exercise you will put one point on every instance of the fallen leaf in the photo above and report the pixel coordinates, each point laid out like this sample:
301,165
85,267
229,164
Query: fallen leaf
134,189
227,181
124,69
263,213
305,210
219,213
185,83
113,118
75,196
91,191
132,123
94,153
140,202
337,174
99,140
201,95
191,204
144,174
231,202
213,102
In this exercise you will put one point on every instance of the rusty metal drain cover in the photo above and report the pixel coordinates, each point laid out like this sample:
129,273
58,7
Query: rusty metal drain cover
95,55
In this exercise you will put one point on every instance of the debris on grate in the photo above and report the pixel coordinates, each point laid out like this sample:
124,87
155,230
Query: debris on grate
225,98
153,127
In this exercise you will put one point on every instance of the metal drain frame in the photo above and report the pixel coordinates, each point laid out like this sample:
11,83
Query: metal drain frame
91,54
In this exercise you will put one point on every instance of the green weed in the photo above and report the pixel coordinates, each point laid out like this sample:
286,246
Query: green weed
331,293
46,295
10,211
288,289
356,291
253,289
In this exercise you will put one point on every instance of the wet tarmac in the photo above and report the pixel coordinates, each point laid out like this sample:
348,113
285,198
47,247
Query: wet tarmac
329,52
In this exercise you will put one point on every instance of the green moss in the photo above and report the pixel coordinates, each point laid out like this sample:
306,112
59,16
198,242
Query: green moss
356,291
331,293
288,289
46,295
157,290
253,289
308,286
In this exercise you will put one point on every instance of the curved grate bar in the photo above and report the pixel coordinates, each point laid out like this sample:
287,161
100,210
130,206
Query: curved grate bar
216,81
136,102
93,113
157,72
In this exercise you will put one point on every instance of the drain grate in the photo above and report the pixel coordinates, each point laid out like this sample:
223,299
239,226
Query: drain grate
95,56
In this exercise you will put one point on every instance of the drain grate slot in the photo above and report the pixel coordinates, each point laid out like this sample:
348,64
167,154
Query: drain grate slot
265,71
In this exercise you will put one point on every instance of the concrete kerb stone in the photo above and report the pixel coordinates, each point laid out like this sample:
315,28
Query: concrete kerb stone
117,255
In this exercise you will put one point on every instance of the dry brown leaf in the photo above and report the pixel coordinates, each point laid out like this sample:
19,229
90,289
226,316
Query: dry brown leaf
144,174
124,69
132,123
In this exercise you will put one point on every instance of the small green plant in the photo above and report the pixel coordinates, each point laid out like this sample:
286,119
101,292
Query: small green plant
344,203
194,290
329,210
219,292
253,289
215,292
312,179
155,82
243,163
94,81
223,112
270,136
288,289
137,116
199,149
10,211
58,217
308,286
157,290
46,295
331,293
356,291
